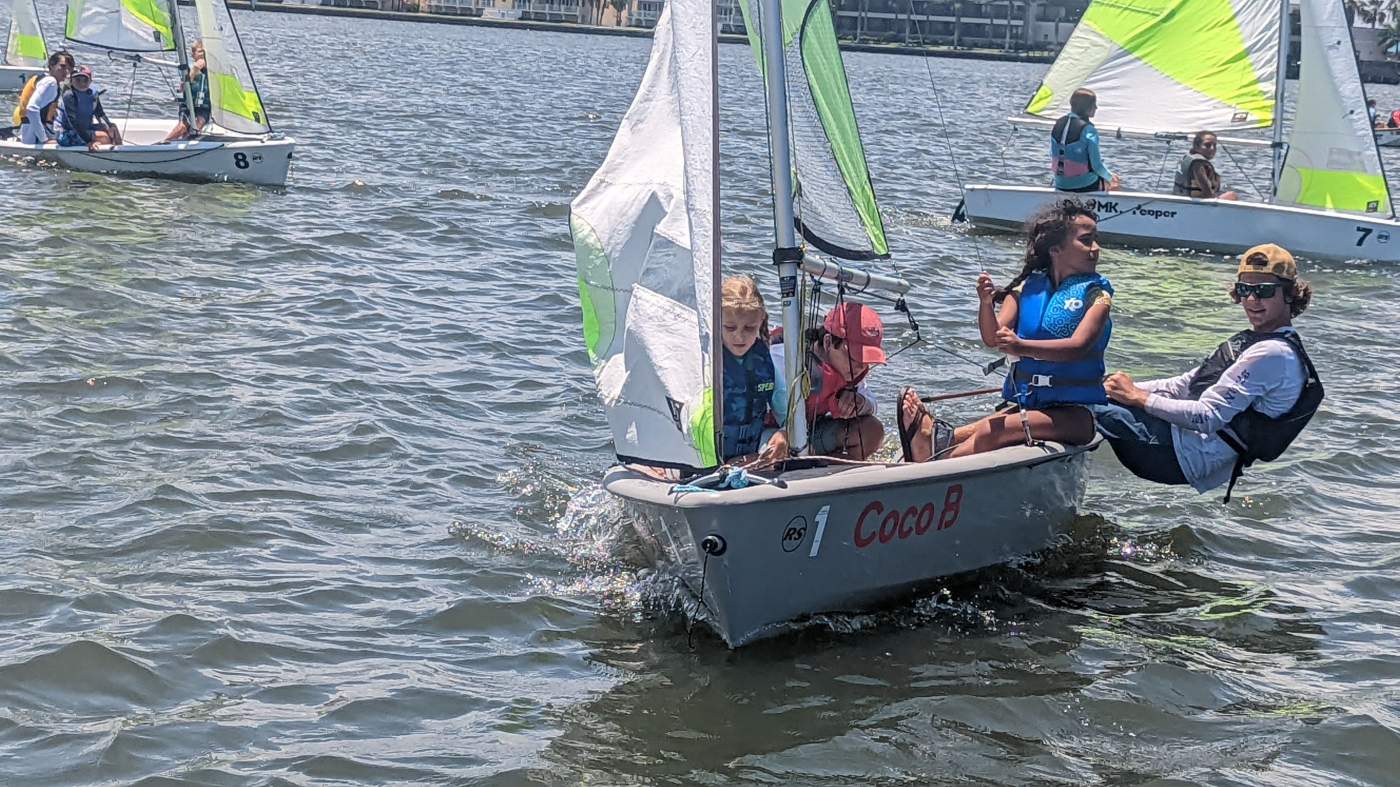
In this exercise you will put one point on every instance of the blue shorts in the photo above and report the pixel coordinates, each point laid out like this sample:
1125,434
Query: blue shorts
70,139
1141,441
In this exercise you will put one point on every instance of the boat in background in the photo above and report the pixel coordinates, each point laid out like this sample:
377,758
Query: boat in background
1329,197
1388,137
821,535
26,55
238,144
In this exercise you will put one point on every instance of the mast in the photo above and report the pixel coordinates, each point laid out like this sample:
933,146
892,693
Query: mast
1285,33
716,299
183,53
786,254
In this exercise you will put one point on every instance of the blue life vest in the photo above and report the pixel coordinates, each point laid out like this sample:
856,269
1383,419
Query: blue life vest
1045,313
749,383
1069,153
78,109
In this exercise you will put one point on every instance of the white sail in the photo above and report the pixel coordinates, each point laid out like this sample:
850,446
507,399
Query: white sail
25,44
1170,65
126,25
233,96
644,237
1332,160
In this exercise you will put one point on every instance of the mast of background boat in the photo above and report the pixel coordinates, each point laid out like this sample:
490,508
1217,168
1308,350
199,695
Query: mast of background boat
1285,33
178,30
786,253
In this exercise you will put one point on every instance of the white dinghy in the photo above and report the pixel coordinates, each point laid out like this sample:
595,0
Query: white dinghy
238,144
820,537
1329,197
1388,137
26,55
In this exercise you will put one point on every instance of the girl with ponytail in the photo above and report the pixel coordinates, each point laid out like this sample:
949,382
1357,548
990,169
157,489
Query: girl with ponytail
1052,321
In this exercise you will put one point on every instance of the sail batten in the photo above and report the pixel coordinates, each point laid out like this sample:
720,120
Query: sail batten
837,209
1332,161
1170,65
24,46
644,241
123,25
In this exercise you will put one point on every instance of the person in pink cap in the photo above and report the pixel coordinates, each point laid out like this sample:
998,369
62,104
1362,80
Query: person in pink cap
841,412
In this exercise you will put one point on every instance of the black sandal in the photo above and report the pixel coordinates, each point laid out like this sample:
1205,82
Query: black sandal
907,432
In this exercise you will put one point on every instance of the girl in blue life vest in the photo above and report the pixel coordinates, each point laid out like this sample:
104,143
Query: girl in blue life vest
1054,323
750,379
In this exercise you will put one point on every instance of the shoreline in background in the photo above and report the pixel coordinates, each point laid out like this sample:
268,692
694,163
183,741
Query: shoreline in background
629,32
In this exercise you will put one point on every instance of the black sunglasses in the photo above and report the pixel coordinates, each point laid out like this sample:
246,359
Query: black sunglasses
1262,291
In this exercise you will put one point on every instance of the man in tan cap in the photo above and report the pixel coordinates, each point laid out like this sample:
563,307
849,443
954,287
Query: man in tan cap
1244,403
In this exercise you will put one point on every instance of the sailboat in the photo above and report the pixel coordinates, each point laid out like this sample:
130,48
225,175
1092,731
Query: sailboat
815,535
25,52
1168,68
238,144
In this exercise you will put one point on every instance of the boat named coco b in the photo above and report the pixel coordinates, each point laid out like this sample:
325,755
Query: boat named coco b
236,145
819,536
1328,195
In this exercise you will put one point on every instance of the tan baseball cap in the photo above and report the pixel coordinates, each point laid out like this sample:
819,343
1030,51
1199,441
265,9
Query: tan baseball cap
1269,258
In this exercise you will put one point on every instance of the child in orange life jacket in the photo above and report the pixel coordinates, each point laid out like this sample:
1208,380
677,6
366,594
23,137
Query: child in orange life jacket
750,380
1054,318
840,408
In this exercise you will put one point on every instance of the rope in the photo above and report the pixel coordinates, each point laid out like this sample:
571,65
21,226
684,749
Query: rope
699,601
1166,154
1243,171
130,97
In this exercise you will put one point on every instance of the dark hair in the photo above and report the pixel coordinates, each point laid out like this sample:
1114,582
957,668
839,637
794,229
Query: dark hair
1299,294
815,335
1200,137
1082,100
62,54
1049,227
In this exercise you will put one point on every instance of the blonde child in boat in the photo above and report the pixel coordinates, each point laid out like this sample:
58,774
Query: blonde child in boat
750,378
1054,318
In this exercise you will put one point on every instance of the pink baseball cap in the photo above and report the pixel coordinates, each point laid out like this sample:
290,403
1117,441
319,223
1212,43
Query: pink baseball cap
861,327
82,71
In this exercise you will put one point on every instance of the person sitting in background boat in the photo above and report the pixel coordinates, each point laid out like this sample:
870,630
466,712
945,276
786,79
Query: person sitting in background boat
199,92
40,102
1074,148
750,377
1246,402
840,410
1054,322
1372,112
1394,121
1195,173
81,119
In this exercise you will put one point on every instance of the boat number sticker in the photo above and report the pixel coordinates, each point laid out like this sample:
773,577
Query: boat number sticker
240,160
795,533
1362,234
878,525
821,528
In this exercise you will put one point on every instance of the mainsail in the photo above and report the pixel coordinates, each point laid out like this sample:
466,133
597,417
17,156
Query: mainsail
836,208
648,259
233,96
1170,65
126,25
1332,161
25,44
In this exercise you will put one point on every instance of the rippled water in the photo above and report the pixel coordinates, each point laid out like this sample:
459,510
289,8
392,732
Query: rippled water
300,487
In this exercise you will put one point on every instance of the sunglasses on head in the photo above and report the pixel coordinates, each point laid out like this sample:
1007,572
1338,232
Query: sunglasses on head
1262,291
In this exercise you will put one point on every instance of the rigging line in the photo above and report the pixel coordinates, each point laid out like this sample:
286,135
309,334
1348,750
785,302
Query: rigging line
130,96
947,140
1166,153
1242,170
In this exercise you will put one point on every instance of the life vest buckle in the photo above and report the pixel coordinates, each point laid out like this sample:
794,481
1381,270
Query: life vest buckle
1040,381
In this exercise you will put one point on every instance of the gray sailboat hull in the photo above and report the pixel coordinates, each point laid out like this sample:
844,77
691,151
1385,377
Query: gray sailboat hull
846,538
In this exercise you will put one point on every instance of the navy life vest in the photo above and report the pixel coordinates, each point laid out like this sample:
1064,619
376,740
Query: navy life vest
749,383
1069,152
1043,313
1254,436
80,109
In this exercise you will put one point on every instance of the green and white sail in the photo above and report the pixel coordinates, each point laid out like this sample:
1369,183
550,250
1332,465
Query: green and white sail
648,262
836,209
233,96
24,46
1169,65
124,25
1332,161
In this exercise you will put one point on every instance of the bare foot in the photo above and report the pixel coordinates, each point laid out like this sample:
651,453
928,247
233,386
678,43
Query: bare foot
912,411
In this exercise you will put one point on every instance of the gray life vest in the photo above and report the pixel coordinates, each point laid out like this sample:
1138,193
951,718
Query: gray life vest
1184,185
